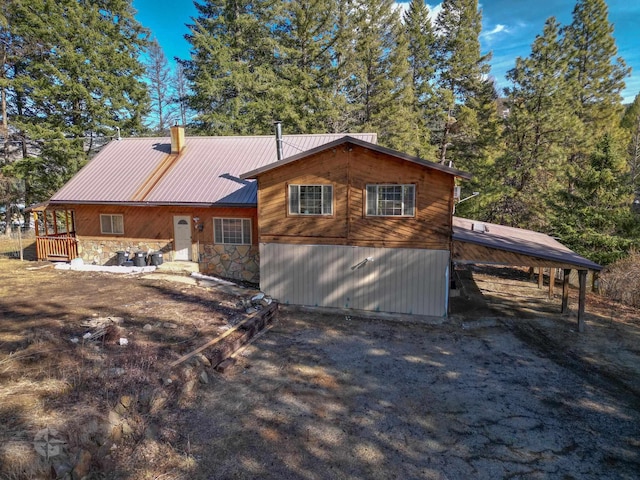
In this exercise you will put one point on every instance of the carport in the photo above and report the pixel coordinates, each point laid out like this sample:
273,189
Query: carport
484,243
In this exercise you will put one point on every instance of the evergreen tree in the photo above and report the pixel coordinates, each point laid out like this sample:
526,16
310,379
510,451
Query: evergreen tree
421,44
480,145
306,35
460,66
594,219
537,129
379,91
81,79
631,124
595,73
231,68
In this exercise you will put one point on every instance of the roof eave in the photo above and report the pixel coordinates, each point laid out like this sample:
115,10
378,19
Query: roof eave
465,236
361,143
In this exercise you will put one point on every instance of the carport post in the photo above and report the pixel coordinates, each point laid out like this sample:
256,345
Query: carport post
552,281
565,290
582,278
540,277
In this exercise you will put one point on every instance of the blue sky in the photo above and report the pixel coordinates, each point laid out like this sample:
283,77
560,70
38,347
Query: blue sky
509,29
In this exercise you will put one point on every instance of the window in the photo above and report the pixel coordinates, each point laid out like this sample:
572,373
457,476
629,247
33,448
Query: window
311,199
391,200
113,224
233,231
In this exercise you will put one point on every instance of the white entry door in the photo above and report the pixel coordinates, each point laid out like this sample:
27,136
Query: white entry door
182,237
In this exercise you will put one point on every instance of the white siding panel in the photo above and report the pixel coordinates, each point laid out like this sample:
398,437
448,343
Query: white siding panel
400,280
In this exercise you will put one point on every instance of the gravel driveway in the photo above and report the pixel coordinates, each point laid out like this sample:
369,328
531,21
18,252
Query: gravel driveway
324,396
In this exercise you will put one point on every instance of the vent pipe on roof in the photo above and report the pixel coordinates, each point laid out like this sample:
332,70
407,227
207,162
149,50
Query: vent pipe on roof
278,126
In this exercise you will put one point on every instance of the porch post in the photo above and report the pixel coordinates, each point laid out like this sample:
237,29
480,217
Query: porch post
565,290
552,281
582,277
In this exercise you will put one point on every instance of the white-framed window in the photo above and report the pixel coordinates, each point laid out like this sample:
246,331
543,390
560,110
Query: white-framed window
232,231
112,224
311,199
391,200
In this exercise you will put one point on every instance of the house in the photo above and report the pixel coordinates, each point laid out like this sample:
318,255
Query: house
181,196
350,224
326,220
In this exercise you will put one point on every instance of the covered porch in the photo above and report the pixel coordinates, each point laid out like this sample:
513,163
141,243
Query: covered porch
55,232
490,244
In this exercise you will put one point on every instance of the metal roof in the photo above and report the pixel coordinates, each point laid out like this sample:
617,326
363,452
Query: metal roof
356,141
518,240
143,171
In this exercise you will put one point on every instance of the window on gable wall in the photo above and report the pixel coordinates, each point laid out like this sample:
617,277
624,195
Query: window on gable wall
113,224
232,231
391,200
311,199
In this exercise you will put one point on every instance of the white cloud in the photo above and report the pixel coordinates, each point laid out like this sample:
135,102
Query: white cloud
499,28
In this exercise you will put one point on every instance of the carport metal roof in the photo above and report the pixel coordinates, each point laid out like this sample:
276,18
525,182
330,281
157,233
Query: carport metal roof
489,243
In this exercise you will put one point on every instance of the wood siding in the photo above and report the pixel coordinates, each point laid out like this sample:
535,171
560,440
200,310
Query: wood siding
396,280
156,223
349,170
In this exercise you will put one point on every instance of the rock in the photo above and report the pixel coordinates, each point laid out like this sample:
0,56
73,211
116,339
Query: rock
114,417
116,433
116,320
167,381
151,432
225,365
251,310
158,402
266,301
189,387
127,401
127,431
83,465
60,468
74,339
257,298
123,341
117,372
203,377
147,327
203,359
169,325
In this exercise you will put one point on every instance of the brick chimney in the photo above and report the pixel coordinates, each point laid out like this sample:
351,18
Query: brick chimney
177,138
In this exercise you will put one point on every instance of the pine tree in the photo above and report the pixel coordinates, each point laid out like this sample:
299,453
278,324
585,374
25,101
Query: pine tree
594,219
232,67
595,73
537,129
421,44
460,66
161,85
379,91
306,36
81,79
631,124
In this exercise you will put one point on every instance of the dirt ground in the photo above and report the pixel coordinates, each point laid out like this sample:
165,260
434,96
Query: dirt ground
504,388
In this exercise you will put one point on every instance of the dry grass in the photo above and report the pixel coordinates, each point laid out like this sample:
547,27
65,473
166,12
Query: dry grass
46,380
621,281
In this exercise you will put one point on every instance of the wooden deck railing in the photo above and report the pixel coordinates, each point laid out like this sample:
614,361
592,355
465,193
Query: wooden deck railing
57,247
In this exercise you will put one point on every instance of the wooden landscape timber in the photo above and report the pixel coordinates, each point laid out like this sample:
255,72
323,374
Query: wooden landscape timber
250,327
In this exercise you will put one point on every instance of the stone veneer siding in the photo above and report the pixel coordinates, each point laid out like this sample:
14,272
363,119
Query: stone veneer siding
239,262
104,252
